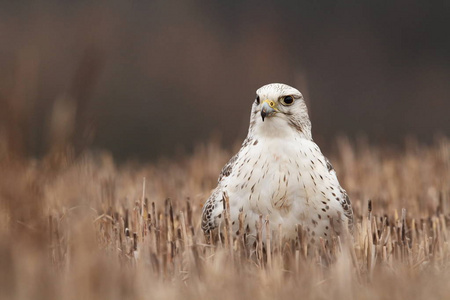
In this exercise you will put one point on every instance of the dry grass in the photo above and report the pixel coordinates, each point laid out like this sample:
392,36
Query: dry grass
91,230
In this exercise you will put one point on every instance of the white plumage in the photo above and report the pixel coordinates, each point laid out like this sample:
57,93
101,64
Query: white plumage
279,173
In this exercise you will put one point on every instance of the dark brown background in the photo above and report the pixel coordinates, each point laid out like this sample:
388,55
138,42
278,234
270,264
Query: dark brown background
150,77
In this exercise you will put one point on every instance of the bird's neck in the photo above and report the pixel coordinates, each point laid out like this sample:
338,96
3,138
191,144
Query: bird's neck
278,128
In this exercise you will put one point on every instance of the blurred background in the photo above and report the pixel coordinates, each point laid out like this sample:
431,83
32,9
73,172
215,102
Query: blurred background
145,79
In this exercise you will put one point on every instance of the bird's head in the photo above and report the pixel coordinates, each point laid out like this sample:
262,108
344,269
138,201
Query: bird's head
278,110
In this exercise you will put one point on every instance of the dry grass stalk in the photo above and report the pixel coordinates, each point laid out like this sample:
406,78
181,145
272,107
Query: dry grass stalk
87,232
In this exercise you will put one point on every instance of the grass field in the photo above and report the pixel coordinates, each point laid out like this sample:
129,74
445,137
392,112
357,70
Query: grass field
89,229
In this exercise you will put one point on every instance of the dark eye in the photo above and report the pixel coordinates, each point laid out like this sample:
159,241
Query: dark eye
257,99
288,100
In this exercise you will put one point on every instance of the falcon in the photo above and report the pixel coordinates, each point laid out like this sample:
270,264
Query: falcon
279,174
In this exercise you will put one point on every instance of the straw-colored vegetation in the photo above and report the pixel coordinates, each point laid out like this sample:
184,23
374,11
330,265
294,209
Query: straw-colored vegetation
89,229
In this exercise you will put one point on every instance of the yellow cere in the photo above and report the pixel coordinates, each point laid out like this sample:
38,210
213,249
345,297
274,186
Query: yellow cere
271,103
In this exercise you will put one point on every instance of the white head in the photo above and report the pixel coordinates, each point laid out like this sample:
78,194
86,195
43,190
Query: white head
279,110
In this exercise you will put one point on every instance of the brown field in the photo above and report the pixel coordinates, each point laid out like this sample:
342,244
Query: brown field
90,229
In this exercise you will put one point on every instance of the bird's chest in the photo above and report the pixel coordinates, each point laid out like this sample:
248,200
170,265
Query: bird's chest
275,177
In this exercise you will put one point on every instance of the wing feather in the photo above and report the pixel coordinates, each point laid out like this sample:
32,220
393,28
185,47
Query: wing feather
208,222
345,201
213,202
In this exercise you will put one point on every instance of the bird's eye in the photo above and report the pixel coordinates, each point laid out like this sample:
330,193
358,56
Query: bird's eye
257,99
288,100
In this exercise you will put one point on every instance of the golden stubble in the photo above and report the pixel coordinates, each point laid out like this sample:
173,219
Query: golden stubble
94,230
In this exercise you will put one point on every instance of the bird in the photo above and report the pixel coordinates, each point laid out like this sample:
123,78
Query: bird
279,175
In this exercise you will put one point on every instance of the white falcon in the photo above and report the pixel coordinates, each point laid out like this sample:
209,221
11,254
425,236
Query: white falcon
280,174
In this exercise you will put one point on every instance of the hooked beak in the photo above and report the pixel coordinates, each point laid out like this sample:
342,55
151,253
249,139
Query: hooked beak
268,109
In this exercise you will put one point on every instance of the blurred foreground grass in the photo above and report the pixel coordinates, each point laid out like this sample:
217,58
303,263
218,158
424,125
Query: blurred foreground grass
89,229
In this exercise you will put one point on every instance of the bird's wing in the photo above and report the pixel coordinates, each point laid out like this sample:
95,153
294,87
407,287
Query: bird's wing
215,201
228,168
345,201
348,211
